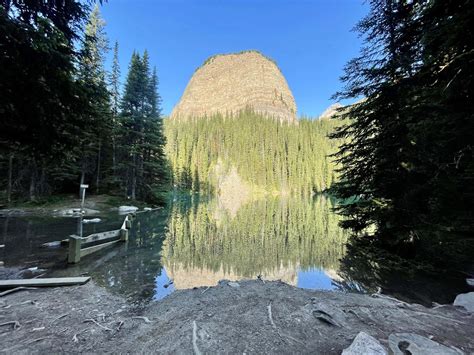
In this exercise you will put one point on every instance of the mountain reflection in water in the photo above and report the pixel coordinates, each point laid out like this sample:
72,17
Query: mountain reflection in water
197,242
276,238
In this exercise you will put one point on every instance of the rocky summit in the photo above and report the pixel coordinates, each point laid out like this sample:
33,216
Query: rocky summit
229,83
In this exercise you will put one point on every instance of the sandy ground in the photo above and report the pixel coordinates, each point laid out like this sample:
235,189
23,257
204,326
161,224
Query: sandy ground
253,317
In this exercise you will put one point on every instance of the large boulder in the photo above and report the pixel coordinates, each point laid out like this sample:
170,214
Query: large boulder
414,344
229,83
365,344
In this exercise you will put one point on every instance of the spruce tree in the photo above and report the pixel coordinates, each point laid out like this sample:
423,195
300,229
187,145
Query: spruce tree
374,155
92,75
41,120
114,83
145,171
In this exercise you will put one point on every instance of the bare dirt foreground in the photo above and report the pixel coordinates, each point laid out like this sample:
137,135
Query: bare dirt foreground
248,317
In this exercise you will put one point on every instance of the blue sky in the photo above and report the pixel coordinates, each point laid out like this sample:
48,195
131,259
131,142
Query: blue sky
311,40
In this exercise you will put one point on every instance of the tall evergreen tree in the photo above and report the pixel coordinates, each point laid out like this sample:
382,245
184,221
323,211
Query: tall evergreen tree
373,175
92,75
41,120
407,162
114,83
144,169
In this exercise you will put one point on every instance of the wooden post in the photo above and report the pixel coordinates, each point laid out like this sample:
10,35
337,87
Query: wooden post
124,235
74,255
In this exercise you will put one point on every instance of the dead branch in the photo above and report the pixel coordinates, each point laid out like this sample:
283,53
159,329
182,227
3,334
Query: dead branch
195,347
15,323
97,323
208,287
75,339
58,318
269,308
16,289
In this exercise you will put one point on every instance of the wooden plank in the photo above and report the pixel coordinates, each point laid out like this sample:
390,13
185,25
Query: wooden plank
124,235
93,249
49,282
124,224
103,236
74,253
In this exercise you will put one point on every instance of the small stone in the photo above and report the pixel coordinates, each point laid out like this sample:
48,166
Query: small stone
470,282
465,300
233,284
365,344
414,344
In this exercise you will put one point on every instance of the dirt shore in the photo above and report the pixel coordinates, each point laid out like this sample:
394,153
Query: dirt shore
248,317
94,204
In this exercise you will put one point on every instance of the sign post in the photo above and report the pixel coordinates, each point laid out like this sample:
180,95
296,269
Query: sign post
83,194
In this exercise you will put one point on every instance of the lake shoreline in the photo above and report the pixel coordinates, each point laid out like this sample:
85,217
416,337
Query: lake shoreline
63,205
252,316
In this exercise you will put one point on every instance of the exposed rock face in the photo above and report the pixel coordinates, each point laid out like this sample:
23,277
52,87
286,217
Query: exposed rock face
228,83
331,111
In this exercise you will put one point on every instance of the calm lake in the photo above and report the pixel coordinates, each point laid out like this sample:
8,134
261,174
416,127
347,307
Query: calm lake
196,242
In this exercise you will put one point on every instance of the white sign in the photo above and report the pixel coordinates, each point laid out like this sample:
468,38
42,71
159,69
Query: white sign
84,186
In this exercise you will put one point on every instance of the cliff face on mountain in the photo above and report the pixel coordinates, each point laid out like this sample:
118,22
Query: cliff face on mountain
331,111
229,83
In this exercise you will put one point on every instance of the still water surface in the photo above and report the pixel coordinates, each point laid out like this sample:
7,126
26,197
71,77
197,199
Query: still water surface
196,242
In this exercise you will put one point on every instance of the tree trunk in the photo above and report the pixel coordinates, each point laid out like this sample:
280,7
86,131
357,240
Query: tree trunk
33,183
97,180
134,177
42,180
114,168
10,174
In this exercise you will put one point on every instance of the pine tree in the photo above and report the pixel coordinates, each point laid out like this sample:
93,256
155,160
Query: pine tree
92,75
268,155
114,83
408,159
145,170
374,155
41,120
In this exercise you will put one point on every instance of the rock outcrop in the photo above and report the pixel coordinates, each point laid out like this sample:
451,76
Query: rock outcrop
229,83
331,111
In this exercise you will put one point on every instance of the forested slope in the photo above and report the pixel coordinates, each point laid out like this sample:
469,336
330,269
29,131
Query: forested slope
268,155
